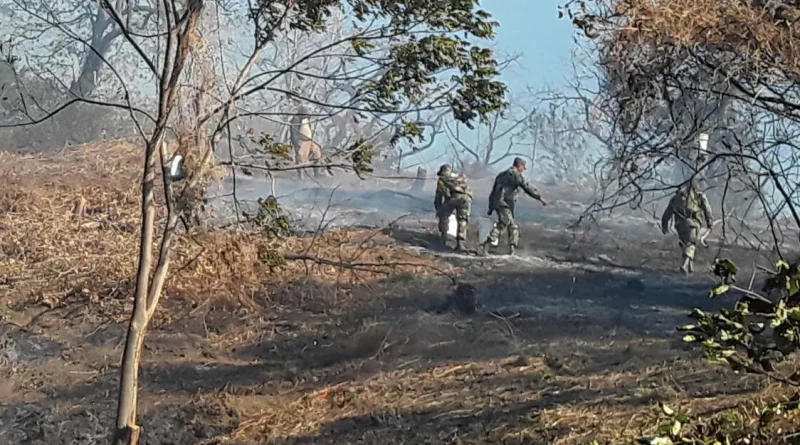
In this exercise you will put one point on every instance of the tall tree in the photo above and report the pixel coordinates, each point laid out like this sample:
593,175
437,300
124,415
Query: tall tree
673,69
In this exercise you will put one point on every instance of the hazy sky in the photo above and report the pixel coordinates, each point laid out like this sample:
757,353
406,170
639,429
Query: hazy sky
532,27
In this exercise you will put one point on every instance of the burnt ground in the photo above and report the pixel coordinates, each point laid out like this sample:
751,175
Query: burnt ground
585,346
581,349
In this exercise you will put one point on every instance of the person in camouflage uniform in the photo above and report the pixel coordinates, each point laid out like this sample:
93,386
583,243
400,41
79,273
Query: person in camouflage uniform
502,201
452,195
689,208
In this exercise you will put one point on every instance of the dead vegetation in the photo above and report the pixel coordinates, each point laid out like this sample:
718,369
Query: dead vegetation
70,227
247,351
739,26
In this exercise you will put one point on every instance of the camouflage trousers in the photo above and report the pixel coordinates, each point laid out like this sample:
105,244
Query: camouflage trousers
462,206
505,221
687,235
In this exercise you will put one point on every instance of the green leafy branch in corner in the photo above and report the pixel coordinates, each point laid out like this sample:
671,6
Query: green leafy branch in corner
758,333
726,427
761,329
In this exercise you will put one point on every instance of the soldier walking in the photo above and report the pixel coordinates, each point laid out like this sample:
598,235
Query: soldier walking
502,201
689,208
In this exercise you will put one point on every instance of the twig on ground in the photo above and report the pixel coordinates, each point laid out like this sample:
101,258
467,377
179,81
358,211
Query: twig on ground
381,268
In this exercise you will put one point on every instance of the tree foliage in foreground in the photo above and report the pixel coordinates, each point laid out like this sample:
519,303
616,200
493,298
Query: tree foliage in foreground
756,336
669,70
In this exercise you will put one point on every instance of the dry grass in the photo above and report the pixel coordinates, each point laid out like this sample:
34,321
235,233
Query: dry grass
50,254
752,33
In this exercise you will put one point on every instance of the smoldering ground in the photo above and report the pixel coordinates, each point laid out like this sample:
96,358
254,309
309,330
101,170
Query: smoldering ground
618,262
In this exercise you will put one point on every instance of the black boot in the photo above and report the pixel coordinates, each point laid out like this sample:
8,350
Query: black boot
460,246
444,239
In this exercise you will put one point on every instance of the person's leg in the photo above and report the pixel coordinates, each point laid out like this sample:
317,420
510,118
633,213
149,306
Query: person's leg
688,239
463,211
317,159
301,157
513,231
499,227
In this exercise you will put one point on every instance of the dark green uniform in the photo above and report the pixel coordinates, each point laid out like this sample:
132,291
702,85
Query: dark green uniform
453,195
502,202
689,208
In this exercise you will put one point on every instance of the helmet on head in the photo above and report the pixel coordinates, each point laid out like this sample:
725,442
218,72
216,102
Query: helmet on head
444,169
519,162
302,113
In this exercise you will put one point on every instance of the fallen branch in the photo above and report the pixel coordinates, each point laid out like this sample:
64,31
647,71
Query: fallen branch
367,267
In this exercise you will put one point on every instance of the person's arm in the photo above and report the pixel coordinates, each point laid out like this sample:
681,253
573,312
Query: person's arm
493,196
706,207
439,197
529,189
666,218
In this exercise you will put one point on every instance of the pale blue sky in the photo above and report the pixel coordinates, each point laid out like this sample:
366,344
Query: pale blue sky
532,27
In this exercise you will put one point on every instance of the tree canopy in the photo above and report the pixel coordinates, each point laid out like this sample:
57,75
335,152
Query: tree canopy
673,69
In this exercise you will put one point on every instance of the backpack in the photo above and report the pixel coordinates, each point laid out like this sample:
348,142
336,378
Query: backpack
690,203
456,183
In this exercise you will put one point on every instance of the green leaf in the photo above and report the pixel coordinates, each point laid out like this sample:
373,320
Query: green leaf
719,290
793,314
725,269
666,409
689,338
794,286
676,428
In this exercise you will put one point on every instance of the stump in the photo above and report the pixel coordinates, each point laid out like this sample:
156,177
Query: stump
419,182
464,299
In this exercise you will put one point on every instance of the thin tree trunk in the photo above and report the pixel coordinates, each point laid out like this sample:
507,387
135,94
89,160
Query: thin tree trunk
127,431
86,82
147,293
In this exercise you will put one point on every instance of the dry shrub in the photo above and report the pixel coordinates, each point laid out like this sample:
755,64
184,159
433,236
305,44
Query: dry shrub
755,34
71,225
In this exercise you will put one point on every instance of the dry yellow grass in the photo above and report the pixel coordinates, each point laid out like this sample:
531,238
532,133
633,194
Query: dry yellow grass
758,38
51,254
